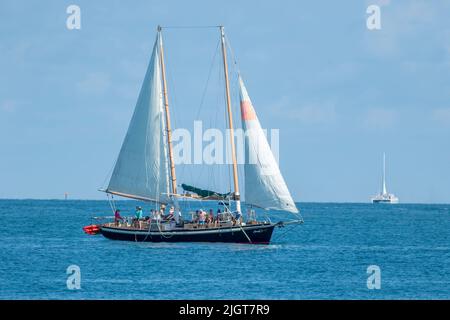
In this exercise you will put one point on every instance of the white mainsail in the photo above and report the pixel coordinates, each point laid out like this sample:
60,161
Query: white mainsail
264,184
383,187
141,170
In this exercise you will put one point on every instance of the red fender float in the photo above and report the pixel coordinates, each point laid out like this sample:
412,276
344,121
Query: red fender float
91,229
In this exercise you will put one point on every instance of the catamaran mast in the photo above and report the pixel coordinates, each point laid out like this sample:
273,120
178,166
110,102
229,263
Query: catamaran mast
384,174
230,121
166,106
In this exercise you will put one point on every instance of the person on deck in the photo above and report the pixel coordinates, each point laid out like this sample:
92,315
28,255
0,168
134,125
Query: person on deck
117,217
162,211
238,218
219,215
139,214
170,216
152,214
202,218
196,216
178,217
156,215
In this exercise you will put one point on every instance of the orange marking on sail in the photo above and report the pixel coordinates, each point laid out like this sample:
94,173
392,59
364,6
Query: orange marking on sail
247,111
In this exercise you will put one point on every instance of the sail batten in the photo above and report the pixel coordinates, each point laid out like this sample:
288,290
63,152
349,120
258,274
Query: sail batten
264,184
141,169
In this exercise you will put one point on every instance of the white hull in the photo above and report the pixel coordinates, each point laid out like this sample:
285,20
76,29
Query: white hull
388,198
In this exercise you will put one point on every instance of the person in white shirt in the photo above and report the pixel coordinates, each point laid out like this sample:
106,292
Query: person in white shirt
157,215
178,216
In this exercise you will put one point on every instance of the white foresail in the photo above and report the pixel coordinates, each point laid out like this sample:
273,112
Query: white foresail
264,184
141,170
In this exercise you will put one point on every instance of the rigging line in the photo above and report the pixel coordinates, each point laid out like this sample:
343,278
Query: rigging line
280,236
249,240
108,175
111,204
216,181
207,81
110,172
174,114
232,54
203,100
213,166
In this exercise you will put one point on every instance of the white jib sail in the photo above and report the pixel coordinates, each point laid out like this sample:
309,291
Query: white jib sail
264,184
141,169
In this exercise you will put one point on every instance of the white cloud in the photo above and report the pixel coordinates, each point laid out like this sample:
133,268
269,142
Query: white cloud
398,21
313,113
94,83
442,115
379,118
378,2
8,106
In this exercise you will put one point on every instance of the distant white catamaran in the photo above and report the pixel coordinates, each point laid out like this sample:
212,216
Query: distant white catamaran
384,196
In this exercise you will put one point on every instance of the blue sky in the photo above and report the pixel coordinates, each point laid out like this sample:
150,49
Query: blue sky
339,93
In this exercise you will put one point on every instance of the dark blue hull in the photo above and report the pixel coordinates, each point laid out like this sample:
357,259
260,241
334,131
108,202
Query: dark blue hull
258,234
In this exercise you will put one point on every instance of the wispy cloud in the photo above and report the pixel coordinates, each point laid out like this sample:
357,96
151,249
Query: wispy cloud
378,2
399,21
8,105
311,113
441,115
379,118
94,83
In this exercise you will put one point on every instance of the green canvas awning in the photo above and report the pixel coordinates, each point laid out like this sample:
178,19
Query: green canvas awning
203,193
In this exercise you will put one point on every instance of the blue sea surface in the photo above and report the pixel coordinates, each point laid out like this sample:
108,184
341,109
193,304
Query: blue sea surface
325,258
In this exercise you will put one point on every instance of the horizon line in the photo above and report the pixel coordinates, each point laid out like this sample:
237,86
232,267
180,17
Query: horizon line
316,201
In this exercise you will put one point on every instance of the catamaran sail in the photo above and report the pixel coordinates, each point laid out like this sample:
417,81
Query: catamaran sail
384,196
141,170
383,183
264,184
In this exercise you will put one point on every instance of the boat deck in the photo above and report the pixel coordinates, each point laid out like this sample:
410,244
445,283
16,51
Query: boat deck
172,226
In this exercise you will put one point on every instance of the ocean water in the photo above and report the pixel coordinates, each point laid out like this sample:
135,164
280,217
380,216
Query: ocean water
325,258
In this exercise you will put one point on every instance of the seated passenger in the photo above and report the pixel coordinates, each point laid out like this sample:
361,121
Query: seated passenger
208,219
170,216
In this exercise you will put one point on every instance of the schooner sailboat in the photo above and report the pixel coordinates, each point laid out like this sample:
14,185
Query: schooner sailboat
145,171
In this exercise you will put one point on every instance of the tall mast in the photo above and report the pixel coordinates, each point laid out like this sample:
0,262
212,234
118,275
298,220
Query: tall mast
230,121
166,106
384,173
